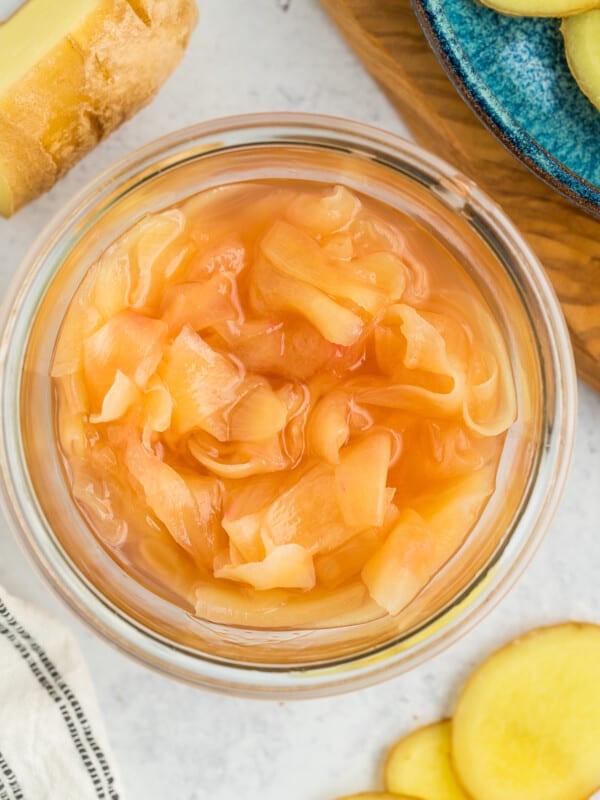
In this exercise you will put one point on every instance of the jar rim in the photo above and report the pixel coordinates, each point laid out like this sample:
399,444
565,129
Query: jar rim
487,588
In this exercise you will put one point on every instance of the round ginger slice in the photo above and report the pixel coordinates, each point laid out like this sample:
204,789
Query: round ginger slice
527,725
377,796
582,45
420,765
541,8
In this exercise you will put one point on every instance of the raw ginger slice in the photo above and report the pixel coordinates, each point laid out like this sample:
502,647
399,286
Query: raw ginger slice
527,724
289,566
377,796
297,255
67,80
129,343
360,480
542,8
420,764
278,292
202,382
582,37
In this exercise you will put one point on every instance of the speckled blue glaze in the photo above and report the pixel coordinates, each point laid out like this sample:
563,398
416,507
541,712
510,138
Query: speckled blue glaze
513,72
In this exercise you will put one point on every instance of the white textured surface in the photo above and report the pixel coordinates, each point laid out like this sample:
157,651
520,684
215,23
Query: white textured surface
184,744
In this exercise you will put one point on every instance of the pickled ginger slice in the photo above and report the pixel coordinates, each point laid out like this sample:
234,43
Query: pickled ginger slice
80,321
72,405
287,567
324,214
277,292
244,533
308,514
383,270
202,382
490,401
132,270
490,405
187,508
425,538
157,255
258,415
455,506
328,427
98,489
294,350
345,562
238,212
427,375
403,565
238,459
227,258
297,255
338,246
123,394
201,305
360,480
167,564
129,343
279,608
158,406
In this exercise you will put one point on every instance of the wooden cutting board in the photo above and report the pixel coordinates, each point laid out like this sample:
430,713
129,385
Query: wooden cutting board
387,37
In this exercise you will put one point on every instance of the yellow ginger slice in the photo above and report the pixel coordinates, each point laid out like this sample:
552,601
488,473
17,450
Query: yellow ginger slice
542,8
376,796
527,724
582,44
420,764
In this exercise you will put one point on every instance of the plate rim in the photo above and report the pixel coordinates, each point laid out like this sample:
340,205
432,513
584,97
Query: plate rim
477,94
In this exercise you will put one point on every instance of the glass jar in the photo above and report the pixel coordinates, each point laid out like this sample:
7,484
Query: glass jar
319,660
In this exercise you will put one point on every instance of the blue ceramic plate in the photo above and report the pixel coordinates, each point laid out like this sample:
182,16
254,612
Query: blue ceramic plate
513,73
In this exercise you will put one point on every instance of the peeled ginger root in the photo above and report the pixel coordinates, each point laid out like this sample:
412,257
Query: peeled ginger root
420,764
68,80
527,725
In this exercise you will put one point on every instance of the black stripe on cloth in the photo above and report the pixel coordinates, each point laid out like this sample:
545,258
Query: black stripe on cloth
70,709
11,789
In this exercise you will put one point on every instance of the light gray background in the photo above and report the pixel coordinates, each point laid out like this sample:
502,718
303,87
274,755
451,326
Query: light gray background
184,744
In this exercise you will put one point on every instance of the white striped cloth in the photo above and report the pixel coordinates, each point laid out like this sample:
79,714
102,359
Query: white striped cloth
52,741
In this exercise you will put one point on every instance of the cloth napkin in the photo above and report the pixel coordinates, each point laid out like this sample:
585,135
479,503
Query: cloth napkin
52,741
